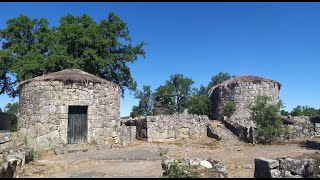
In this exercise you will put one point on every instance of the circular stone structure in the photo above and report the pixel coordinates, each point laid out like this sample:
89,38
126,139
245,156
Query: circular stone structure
68,107
242,91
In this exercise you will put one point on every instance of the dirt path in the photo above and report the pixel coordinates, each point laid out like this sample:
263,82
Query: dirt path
141,160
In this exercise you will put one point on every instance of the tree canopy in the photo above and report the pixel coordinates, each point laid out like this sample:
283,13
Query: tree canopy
181,88
12,110
219,78
305,111
180,96
31,48
145,107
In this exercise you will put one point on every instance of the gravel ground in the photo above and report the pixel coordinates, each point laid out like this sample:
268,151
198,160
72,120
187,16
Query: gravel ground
141,160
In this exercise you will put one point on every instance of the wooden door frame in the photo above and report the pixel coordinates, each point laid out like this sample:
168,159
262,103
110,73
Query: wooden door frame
72,109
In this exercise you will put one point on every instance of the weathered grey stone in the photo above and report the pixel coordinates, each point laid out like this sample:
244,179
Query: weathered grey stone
213,166
212,134
295,166
194,162
5,137
43,112
276,173
310,167
219,167
206,164
263,167
288,168
168,127
58,151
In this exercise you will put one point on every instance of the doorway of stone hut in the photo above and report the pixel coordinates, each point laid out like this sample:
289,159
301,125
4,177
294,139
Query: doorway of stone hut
77,124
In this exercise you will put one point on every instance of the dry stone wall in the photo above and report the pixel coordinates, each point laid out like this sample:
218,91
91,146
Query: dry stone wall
43,112
300,128
169,127
12,155
242,94
294,128
286,167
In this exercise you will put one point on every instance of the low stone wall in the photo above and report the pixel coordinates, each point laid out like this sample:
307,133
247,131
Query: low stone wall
141,126
127,134
168,127
294,128
176,126
286,168
12,155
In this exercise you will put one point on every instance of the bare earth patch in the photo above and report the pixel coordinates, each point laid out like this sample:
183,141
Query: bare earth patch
141,160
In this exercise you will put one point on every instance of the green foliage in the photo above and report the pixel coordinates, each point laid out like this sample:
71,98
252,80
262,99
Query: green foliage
12,110
305,111
135,112
177,171
267,118
146,101
162,152
199,103
178,84
229,109
219,78
297,111
35,155
284,113
30,48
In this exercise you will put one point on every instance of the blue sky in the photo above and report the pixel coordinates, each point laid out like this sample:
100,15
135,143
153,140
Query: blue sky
279,41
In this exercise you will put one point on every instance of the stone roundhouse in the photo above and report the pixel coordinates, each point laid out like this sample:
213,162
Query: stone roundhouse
242,91
68,107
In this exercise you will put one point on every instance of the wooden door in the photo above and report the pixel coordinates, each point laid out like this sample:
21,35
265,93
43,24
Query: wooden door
77,124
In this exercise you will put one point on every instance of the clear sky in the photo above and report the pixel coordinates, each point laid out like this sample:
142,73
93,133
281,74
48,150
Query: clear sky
279,41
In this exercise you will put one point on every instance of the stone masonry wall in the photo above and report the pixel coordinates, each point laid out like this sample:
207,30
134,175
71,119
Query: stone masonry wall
286,167
242,94
12,155
168,127
43,112
172,127
294,129
300,128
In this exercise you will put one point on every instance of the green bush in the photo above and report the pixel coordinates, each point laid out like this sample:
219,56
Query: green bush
177,171
267,118
162,152
229,109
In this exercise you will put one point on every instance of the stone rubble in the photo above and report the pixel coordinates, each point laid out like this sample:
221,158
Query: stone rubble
165,128
286,167
215,168
12,155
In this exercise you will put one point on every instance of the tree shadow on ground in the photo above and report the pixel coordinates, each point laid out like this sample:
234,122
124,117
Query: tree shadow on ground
311,145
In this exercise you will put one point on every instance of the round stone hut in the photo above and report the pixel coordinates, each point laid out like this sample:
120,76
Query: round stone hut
68,107
242,91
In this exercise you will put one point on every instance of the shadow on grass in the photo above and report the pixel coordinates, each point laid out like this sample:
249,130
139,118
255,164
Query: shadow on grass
311,145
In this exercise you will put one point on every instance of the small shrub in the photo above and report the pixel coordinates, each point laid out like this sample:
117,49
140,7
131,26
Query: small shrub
267,118
35,155
229,109
177,171
162,152
286,131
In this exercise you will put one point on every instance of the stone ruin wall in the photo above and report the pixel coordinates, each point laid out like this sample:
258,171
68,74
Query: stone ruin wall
287,167
12,155
299,128
242,94
177,126
164,128
43,112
